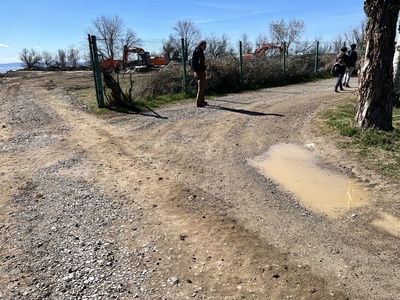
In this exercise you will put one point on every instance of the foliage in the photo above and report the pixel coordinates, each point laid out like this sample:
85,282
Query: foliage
376,149
223,76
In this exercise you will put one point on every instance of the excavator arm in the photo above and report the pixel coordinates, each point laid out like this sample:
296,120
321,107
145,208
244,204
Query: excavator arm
260,51
127,50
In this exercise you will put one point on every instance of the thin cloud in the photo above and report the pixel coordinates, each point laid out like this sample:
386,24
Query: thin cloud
4,46
225,6
253,10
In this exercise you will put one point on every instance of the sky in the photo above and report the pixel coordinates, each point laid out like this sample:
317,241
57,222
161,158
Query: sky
49,25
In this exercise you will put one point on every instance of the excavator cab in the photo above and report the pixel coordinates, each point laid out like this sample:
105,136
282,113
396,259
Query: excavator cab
141,59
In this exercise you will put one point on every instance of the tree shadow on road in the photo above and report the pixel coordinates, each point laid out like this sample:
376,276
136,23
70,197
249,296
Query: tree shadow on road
243,111
136,111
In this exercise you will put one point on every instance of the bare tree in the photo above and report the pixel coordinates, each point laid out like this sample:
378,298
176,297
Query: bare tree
305,47
191,35
73,56
47,58
61,59
246,44
30,58
217,46
170,51
338,43
324,47
131,39
261,39
287,32
112,35
375,93
355,34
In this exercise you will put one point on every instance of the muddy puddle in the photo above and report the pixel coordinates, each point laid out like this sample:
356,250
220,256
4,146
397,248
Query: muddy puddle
297,170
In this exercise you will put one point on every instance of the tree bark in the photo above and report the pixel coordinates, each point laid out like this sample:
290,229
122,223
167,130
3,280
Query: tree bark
116,92
375,92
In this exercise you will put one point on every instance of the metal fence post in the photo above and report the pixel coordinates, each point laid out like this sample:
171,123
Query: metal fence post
316,57
284,59
184,57
96,70
241,63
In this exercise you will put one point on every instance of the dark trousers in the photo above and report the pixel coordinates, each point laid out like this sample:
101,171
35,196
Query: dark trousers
201,85
339,81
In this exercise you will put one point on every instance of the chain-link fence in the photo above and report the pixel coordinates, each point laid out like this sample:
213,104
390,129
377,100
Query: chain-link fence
146,72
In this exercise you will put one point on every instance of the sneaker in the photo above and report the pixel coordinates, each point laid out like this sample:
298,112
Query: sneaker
336,91
347,85
201,105
342,89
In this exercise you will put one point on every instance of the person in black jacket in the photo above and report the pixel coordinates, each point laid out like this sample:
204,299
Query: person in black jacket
199,67
351,64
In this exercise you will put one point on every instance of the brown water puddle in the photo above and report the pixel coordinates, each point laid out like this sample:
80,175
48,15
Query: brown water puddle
296,169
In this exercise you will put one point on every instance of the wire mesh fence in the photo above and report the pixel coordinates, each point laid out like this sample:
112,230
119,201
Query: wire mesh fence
146,71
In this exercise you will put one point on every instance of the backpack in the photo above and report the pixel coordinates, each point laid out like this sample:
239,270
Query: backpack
334,70
339,61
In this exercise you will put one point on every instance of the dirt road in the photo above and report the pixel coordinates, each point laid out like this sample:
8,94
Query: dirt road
165,205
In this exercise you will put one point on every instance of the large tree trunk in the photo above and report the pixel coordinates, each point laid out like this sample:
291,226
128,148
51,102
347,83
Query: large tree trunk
375,92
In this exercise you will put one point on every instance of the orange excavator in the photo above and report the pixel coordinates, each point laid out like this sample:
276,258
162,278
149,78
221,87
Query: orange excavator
110,64
260,51
143,59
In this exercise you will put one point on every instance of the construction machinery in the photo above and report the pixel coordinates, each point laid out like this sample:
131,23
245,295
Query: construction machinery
143,59
260,51
110,64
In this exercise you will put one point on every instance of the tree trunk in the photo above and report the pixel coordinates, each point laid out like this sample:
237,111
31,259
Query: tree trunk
375,93
116,92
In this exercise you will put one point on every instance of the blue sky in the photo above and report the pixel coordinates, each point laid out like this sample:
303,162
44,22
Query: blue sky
52,24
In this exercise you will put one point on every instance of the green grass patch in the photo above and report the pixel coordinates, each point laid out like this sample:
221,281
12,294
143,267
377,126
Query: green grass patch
144,104
375,149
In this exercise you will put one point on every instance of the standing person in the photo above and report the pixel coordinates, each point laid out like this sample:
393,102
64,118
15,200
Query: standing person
352,63
199,67
340,68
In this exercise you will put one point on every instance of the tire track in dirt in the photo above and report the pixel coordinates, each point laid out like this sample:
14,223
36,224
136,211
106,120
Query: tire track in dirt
117,161
211,225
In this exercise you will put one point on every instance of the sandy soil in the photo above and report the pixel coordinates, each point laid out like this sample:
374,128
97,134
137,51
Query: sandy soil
165,205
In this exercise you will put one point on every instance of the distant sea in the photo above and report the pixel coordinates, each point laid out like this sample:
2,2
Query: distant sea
4,68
